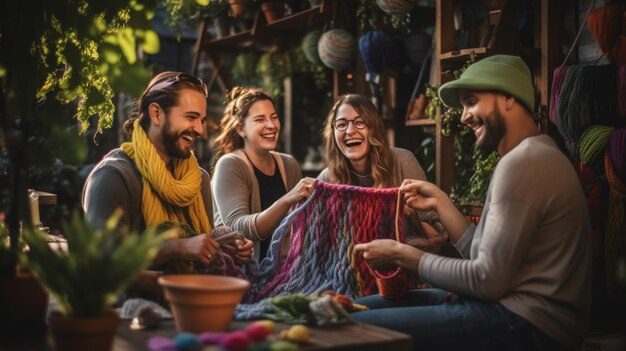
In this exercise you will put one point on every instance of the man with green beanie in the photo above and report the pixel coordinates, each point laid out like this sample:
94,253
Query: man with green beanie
524,282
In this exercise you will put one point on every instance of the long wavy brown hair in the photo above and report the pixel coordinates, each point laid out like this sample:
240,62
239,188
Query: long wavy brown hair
238,102
381,160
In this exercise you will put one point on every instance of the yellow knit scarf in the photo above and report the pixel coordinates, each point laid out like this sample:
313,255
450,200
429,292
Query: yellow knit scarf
166,197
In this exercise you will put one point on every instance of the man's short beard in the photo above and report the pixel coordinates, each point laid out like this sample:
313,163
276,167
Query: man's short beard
170,140
495,129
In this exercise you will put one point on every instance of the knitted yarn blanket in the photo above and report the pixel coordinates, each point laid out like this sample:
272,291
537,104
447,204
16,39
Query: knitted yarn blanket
324,230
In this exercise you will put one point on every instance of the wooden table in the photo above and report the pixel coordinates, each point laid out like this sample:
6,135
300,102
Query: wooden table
352,336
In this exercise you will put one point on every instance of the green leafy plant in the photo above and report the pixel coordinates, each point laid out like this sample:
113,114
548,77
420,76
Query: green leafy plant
370,16
74,53
97,266
184,14
274,67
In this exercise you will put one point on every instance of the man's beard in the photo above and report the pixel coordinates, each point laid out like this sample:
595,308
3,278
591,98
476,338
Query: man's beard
495,129
170,139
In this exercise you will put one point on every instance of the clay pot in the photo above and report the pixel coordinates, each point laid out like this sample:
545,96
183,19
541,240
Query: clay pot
23,304
82,333
238,7
273,10
203,303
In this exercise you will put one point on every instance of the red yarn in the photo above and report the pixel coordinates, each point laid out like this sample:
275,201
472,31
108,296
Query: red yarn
605,24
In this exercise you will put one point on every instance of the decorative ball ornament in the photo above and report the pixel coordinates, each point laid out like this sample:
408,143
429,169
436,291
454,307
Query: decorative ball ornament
416,46
337,48
309,46
396,7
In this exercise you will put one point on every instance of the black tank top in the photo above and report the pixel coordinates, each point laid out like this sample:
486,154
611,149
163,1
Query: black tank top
271,188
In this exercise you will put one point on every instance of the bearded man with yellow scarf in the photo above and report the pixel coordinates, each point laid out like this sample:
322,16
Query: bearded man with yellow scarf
155,178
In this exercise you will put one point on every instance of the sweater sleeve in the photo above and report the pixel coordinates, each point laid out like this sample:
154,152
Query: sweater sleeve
407,165
232,191
500,242
104,191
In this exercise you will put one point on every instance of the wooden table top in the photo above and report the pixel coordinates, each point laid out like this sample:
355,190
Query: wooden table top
352,336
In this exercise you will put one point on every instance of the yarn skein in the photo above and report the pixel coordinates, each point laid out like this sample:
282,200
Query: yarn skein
324,230
558,75
592,145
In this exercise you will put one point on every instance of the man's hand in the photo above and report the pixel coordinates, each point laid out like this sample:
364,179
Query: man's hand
240,250
387,253
201,247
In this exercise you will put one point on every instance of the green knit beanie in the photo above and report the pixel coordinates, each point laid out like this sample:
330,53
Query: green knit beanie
505,73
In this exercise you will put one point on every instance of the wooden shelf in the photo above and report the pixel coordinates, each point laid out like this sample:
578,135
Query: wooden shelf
419,122
264,37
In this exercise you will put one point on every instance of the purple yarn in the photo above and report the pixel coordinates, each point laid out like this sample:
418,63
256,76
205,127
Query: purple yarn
557,82
617,146
621,91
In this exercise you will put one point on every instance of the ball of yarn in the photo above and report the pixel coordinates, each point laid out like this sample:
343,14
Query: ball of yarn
237,341
379,50
416,46
186,342
160,343
617,148
309,46
337,48
396,7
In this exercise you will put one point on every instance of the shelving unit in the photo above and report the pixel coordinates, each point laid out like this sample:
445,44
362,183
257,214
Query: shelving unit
501,37
261,37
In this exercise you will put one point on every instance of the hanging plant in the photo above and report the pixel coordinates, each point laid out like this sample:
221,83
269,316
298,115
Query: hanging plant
274,67
302,65
370,16
244,69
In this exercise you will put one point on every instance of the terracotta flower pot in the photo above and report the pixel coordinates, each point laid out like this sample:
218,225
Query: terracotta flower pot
82,333
238,7
203,303
23,304
273,10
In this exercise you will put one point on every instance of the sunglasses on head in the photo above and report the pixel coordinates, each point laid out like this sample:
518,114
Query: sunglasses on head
180,77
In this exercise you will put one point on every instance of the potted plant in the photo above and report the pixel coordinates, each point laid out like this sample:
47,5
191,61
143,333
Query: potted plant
86,279
22,300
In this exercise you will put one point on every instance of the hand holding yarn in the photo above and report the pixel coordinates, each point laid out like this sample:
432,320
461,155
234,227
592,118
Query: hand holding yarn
421,195
301,191
201,248
381,253
233,243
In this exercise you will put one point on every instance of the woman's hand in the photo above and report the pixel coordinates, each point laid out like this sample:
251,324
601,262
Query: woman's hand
301,191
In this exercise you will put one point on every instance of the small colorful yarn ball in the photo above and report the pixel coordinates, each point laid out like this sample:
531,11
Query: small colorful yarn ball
236,341
186,342
309,46
337,49
396,7
297,333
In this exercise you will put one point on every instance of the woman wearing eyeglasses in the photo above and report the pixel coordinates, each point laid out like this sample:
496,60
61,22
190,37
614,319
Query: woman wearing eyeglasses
358,153
254,187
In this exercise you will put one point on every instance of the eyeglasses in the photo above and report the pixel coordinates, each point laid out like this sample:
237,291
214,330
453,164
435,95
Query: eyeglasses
342,124
180,77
